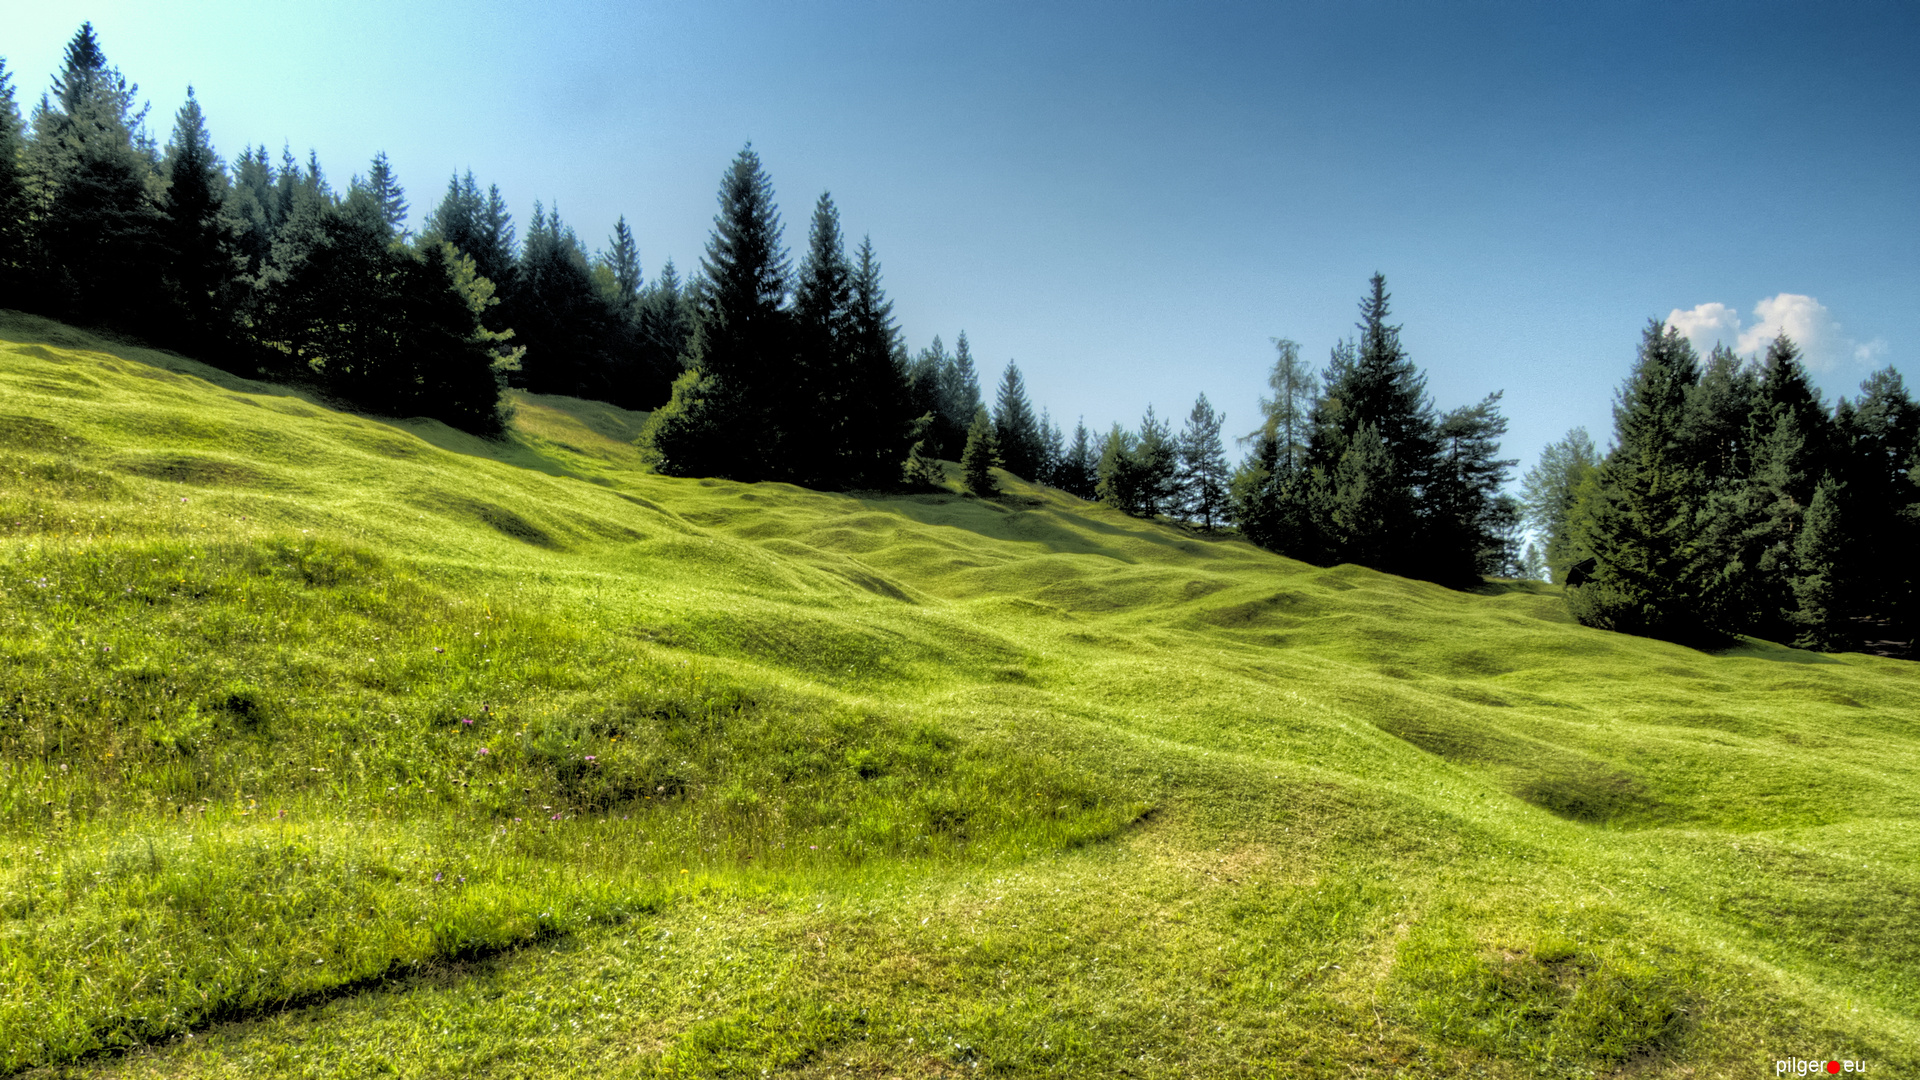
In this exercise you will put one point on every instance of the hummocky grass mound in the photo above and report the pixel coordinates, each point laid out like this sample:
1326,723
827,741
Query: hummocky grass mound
332,744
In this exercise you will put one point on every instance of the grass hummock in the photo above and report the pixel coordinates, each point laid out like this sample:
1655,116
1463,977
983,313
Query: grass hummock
332,743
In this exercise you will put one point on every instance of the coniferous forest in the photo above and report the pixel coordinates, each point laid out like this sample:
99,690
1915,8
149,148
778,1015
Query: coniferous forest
1733,500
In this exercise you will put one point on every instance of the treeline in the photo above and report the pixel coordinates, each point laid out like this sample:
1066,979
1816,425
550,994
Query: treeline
265,268
1734,501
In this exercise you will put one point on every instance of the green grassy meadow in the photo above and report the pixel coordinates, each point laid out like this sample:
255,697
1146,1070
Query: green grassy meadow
334,746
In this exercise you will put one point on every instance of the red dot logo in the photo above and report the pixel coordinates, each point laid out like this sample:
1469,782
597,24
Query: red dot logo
1833,1066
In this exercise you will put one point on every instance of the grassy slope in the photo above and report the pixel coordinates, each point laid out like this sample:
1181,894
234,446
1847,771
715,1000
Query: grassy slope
825,785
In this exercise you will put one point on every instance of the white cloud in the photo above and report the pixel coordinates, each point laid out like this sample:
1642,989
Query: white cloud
1824,344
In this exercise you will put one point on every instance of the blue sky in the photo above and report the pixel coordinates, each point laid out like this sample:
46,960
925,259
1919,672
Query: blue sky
1131,200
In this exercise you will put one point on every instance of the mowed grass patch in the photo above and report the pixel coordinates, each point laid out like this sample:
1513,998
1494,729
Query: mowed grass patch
821,784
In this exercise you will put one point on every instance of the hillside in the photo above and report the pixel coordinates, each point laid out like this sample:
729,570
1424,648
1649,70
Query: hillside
331,740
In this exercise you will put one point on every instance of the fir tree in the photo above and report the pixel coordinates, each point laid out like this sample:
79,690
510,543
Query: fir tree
1118,480
560,318
621,260
1015,430
819,403
1821,583
252,210
385,190
1156,463
1053,450
1881,438
13,192
881,402
1533,564
721,418
980,457
959,392
202,272
1472,528
1369,502
100,237
1639,513
1203,476
1079,465
1371,382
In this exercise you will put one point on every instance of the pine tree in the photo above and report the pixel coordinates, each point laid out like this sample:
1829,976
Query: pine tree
1881,437
1268,492
1792,440
1371,382
1821,583
560,318
387,195
1157,461
1079,466
621,260
1015,430
666,325
1203,475
251,211
980,457
14,258
1639,513
721,419
100,235
1118,480
202,272
818,407
1369,501
1287,416
959,392
881,400
1053,451
1547,495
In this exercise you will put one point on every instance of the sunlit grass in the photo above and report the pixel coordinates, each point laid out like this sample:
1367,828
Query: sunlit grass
321,732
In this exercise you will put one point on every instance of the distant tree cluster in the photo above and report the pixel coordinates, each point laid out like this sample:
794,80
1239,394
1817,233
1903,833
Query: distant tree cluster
1357,465
265,268
1735,501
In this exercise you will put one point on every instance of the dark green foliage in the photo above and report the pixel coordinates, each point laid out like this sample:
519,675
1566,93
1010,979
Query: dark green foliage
878,418
1079,464
666,324
960,390
1547,495
617,272
980,457
13,191
385,190
99,235
816,412
202,279
1015,429
1269,491
1791,438
1202,476
1822,584
1053,450
1880,440
721,422
571,336
1157,462
1118,481
922,471
1639,513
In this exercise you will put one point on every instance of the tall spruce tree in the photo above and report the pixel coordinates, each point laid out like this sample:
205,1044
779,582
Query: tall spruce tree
1880,434
1203,475
13,192
881,428
621,262
1156,457
1015,428
1640,512
384,188
721,418
1823,589
1792,441
960,392
570,335
1373,383
1472,528
666,324
818,409
202,274
1079,466
100,236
